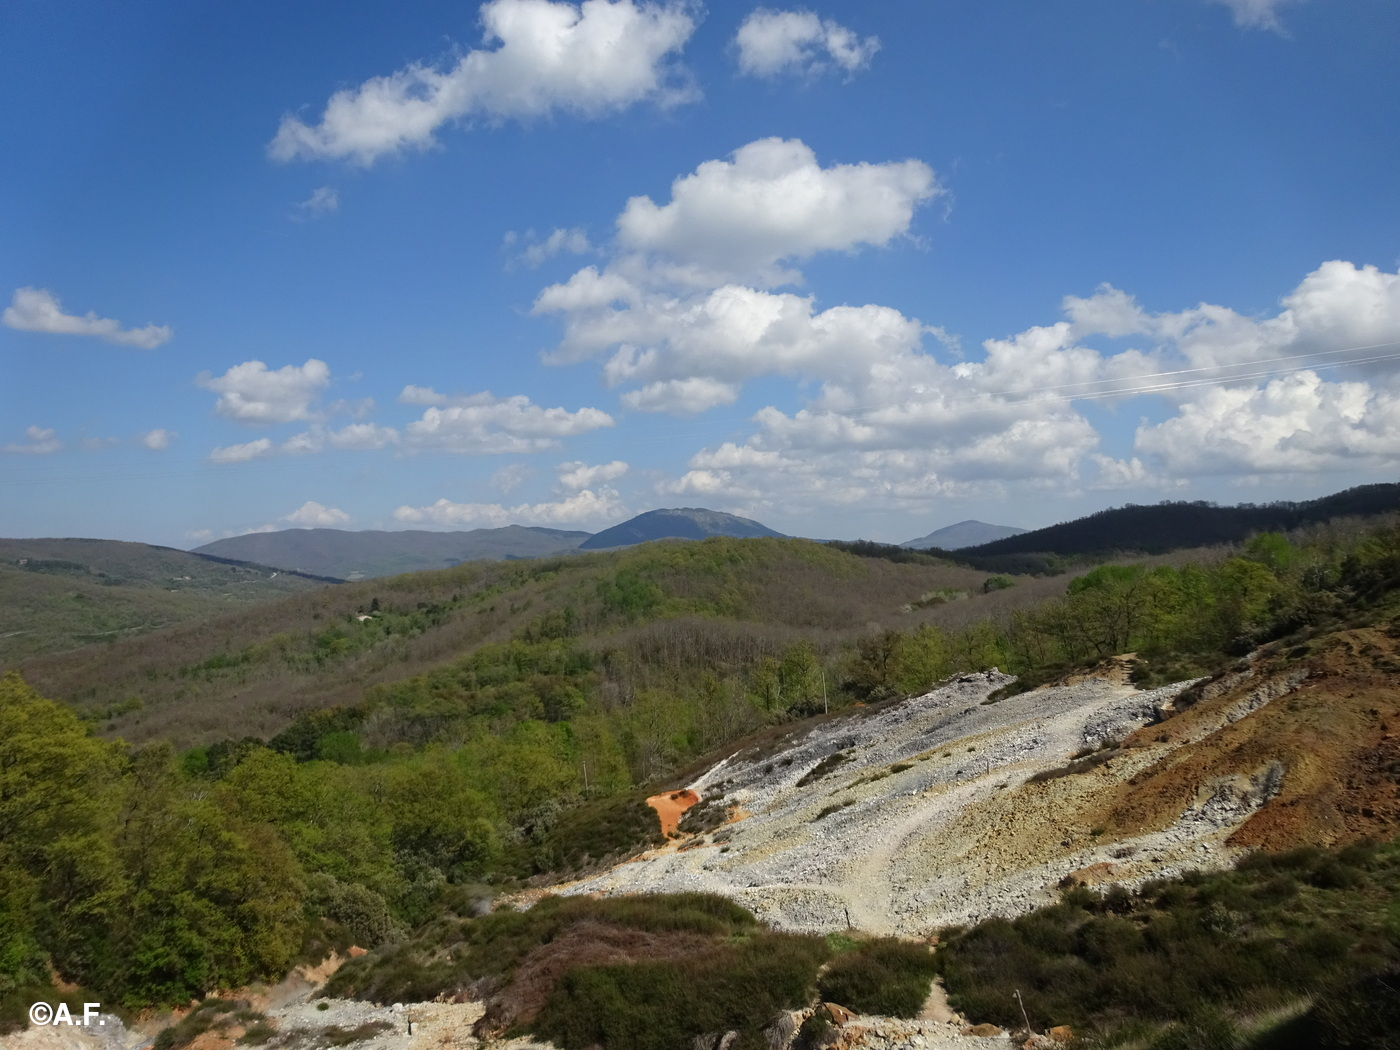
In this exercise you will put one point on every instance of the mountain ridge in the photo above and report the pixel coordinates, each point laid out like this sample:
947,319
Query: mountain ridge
682,523
358,554
969,533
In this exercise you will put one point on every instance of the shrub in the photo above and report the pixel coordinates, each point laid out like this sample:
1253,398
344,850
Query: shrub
885,976
663,1005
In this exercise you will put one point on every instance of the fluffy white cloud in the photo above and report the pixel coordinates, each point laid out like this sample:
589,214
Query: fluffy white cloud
1256,14
242,453
313,515
579,475
584,507
691,353
1245,395
572,241
38,310
737,219
355,437
323,201
770,43
684,314
483,423
588,59
511,477
39,441
1294,424
157,440
253,393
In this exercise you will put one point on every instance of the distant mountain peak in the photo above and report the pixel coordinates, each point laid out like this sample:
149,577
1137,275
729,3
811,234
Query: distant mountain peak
680,523
969,533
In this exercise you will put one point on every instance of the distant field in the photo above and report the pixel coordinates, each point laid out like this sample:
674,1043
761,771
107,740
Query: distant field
60,594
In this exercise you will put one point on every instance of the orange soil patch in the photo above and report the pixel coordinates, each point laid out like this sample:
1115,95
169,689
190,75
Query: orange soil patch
670,807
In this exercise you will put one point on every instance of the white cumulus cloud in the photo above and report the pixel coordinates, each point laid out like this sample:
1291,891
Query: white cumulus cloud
485,424
589,59
1312,389
585,507
252,393
770,43
738,219
684,314
157,440
244,452
38,441
354,437
38,310
578,475
313,515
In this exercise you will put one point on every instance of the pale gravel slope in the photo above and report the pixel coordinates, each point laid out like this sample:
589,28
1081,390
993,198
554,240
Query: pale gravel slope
957,837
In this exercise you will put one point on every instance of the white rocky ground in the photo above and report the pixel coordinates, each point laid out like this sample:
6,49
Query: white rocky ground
936,824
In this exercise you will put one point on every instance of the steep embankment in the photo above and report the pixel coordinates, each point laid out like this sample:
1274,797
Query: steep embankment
946,809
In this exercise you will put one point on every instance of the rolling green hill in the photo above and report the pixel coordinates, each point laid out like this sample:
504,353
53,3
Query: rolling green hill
64,593
717,606
355,555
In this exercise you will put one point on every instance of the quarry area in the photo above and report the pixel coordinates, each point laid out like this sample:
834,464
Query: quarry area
945,809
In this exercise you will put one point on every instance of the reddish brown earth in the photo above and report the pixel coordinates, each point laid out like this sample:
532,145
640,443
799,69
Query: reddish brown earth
670,807
1337,737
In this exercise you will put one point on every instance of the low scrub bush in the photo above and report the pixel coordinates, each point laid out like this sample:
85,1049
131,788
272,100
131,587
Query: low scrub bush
212,1013
1192,953
605,827
737,986
885,976
451,954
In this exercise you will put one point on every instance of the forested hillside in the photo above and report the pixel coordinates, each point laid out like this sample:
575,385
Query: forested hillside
645,617
64,593
1172,526
372,552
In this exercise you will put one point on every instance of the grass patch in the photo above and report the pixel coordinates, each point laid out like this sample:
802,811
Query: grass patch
835,807
337,1035
823,768
257,1034
1081,764
211,1014
884,976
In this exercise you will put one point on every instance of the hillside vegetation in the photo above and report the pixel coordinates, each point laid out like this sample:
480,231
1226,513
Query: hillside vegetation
1170,526
354,555
65,593
656,621
496,722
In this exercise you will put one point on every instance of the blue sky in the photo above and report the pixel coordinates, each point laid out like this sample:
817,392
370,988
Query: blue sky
850,269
